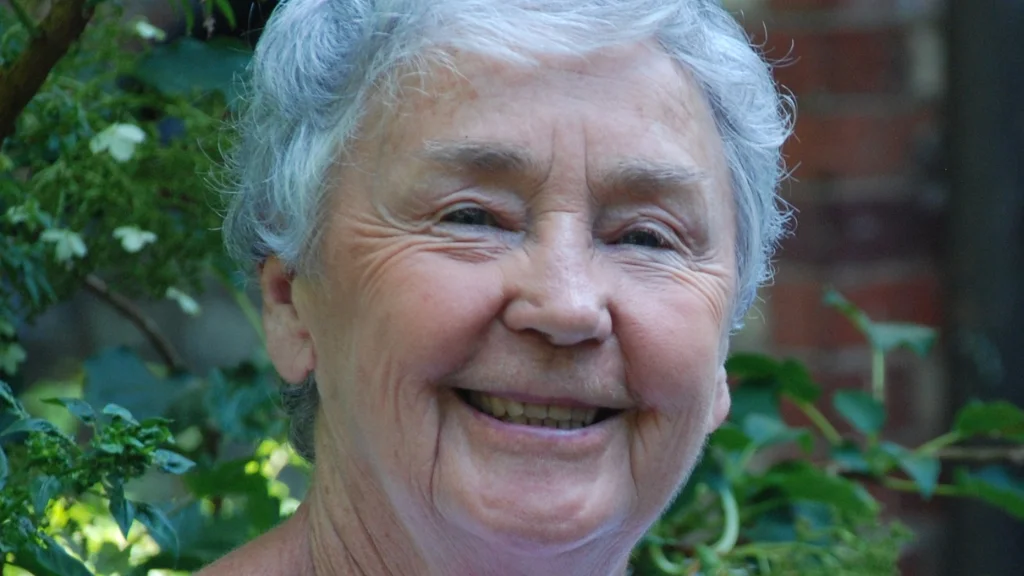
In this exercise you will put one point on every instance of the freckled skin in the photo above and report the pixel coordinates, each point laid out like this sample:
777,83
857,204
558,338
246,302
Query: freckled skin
549,297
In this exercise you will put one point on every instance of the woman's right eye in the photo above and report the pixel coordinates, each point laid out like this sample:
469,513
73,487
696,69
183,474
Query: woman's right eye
471,216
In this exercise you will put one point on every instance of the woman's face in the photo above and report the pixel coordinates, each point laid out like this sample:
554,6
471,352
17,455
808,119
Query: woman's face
527,276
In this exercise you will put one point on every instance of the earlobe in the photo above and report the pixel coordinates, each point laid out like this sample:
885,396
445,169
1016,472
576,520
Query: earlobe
722,401
289,342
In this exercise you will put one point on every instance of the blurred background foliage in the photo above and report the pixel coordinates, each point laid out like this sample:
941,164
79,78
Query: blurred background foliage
134,460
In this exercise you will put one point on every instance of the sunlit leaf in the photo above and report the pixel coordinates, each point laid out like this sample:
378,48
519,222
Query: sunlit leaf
863,412
76,407
989,418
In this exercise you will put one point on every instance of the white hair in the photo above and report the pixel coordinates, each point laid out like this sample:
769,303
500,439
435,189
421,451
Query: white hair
319,62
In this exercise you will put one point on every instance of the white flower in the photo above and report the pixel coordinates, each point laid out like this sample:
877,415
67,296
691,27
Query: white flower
10,357
119,140
147,31
67,244
18,214
133,238
187,303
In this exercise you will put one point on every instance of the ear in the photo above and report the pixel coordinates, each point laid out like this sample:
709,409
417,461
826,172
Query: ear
722,401
289,342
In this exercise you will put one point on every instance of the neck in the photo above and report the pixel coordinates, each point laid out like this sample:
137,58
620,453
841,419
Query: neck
353,531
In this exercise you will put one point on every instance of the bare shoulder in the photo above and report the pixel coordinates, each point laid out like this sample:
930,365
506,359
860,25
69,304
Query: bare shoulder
281,552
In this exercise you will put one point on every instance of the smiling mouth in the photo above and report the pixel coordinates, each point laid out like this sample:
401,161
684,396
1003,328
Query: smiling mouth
542,415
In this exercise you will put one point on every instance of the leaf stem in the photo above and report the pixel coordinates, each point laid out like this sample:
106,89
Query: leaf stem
732,522
827,429
936,444
878,375
911,486
664,564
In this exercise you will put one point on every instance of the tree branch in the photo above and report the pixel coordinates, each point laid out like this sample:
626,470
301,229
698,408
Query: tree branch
53,37
144,323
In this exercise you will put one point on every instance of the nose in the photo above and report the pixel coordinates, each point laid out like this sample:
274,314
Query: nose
559,290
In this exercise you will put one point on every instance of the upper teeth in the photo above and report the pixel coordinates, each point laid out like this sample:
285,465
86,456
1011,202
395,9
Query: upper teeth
548,415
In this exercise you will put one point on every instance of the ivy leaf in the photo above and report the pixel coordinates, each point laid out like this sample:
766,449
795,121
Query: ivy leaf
802,481
863,412
159,527
884,336
992,418
747,365
115,411
993,485
44,489
922,469
850,457
76,407
797,383
172,463
188,65
121,509
729,437
766,431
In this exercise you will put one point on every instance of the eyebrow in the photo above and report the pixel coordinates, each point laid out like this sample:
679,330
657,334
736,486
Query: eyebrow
493,159
641,178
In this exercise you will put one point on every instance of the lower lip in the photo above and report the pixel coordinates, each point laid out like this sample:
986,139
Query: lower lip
538,438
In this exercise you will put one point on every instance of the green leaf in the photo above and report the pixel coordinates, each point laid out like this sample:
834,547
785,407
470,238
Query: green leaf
4,469
159,527
121,508
229,14
754,397
767,430
797,383
119,375
172,463
729,437
51,560
995,486
923,470
884,336
802,481
44,489
863,412
115,411
31,425
7,395
188,65
76,407
887,336
746,365
993,418
849,456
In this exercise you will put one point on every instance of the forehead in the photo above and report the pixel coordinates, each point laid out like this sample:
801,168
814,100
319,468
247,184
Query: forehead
625,102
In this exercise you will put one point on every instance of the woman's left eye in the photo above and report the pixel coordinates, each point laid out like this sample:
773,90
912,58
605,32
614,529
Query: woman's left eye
645,238
471,216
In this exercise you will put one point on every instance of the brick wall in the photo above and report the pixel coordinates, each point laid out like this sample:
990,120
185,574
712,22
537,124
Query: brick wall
868,79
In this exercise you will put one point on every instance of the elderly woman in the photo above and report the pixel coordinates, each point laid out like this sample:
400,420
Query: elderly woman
502,245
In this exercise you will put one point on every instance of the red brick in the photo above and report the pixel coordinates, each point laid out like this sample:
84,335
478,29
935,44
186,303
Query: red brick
827,233
799,320
854,144
838,61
